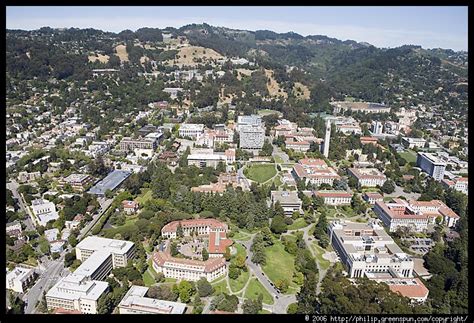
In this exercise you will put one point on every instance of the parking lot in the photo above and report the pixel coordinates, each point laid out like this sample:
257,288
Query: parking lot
420,245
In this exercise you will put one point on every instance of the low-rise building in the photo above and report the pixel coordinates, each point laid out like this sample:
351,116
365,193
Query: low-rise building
78,182
334,197
76,292
199,226
368,177
110,182
315,171
289,201
372,197
367,250
129,144
208,158
19,278
412,288
136,302
130,207
13,229
191,130
460,184
301,146
413,142
44,211
399,214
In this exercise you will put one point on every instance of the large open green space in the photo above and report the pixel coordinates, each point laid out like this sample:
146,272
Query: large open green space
255,288
144,196
298,224
220,286
260,172
279,263
237,284
409,155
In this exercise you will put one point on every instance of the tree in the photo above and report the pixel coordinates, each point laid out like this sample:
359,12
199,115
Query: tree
204,287
179,231
205,254
320,230
186,290
253,306
388,187
17,305
307,298
282,285
278,225
162,292
292,308
174,249
234,272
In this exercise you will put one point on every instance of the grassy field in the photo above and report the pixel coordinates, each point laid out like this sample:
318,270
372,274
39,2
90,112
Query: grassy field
148,279
240,250
265,112
260,172
220,287
264,312
319,255
241,236
298,224
409,155
278,159
280,264
144,196
255,288
239,283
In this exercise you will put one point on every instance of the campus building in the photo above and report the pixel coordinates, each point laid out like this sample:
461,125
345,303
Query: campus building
76,293
460,184
19,278
129,144
44,211
251,136
191,130
413,142
431,165
334,197
289,201
135,302
208,158
78,182
368,177
366,250
315,171
199,226
110,182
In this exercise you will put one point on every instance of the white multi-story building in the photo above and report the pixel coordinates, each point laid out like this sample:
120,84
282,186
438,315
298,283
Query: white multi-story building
459,184
187,269
208,158
314,171
99,255
199,226
44,211
368,251
377,127
431,165
78,182
333,197
301,146
289,201
251,136
193,130
251,120
129,144
76,293
135,302
413,142
19,278
368,177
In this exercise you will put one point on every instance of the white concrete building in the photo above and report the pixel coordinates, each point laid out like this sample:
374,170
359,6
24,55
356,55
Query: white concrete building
135,302
413,142
251,136
76,292
334,197
251,120
460,184
44,211
193,130
367,250
431,165
368,177
314,171
19,278
289,201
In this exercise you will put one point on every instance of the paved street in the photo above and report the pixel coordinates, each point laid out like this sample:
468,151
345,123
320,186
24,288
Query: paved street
13,186
399,192
54,270
245,181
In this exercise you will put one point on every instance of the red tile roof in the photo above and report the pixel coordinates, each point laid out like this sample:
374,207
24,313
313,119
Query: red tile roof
223,242
161,258
212,223
417,290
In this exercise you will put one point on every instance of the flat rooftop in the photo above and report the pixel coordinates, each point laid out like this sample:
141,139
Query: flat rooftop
110,182
111,245
74,287
135,299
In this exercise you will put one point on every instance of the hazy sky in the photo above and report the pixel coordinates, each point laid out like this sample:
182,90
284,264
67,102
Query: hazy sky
430,27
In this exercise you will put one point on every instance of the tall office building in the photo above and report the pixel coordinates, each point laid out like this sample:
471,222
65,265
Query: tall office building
431,165
327,138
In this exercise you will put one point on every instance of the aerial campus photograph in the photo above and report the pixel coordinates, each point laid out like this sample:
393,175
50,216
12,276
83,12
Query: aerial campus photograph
236,160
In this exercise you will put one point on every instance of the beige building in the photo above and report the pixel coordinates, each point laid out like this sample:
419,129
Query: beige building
135,302
289,201
367,177
315,171
333,197
19,278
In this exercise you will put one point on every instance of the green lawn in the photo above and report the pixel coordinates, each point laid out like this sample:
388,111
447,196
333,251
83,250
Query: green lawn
264,312
265,112
170,280
144,196
277,181
241,236
220,287
319,256
278,159
280,264
298,224
409,155
239,283
148,279
255,288
240,250
260,172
